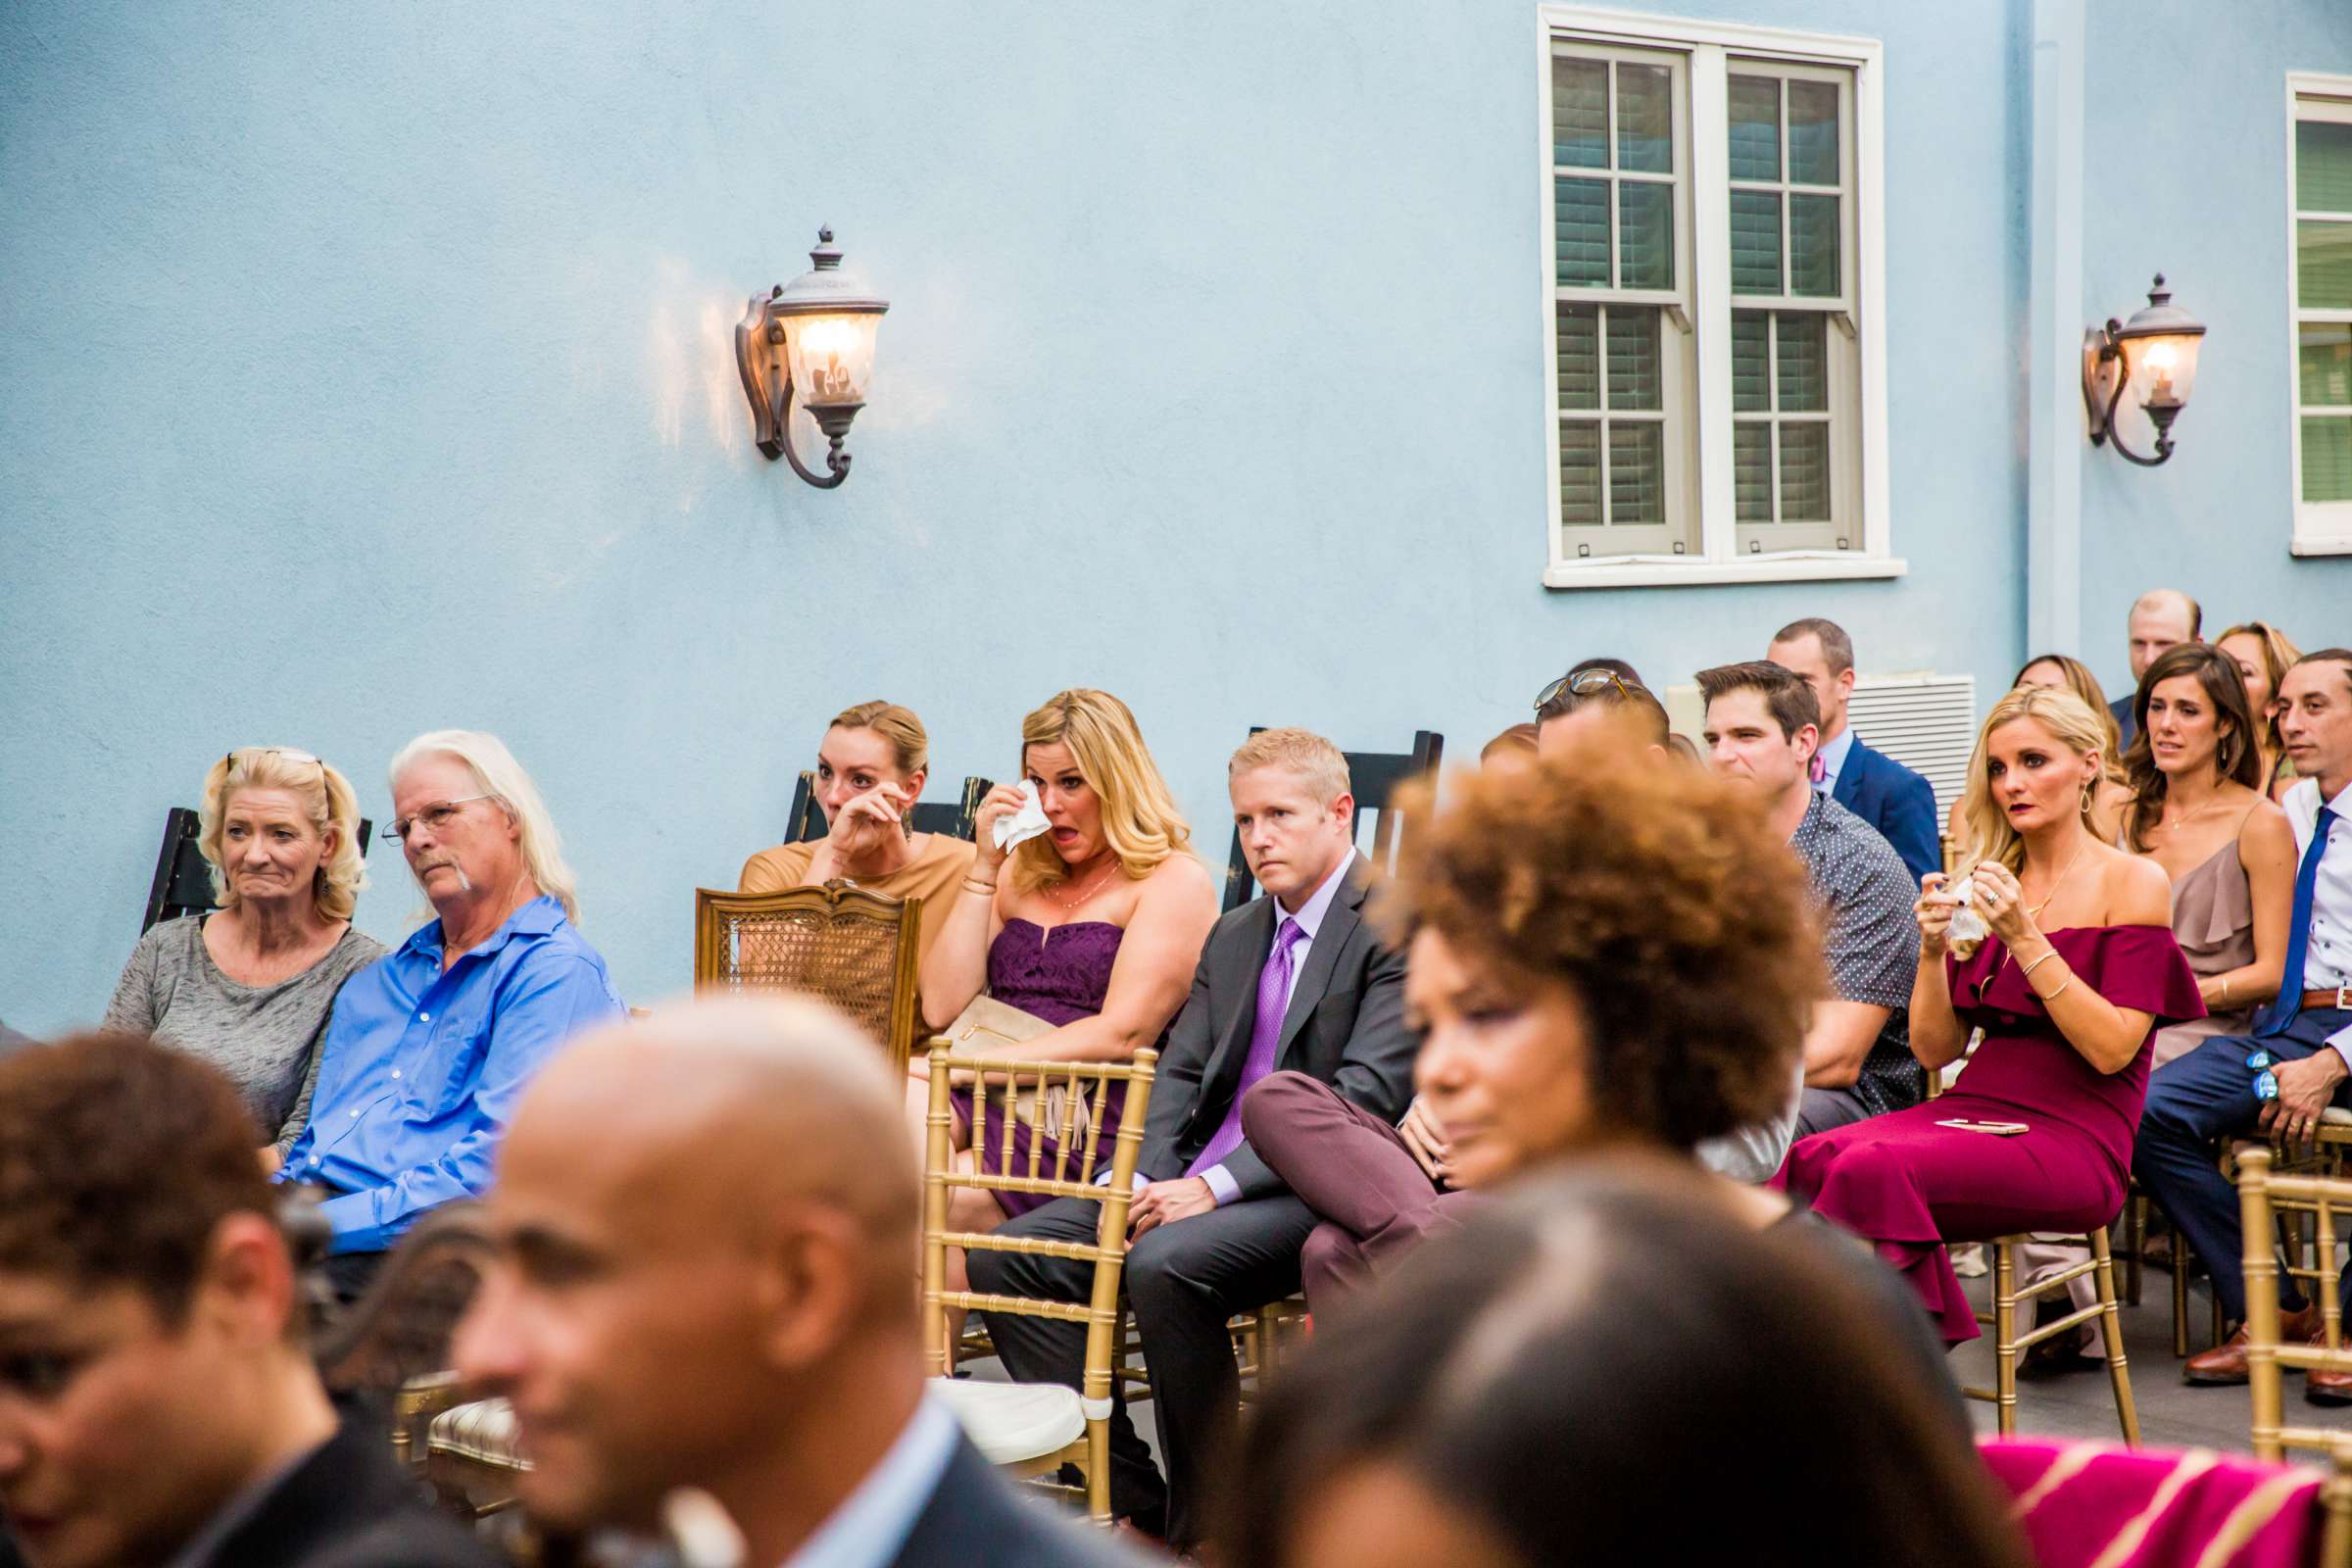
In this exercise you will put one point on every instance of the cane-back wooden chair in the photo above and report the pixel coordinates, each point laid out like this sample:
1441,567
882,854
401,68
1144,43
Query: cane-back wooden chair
853,948
1034,1429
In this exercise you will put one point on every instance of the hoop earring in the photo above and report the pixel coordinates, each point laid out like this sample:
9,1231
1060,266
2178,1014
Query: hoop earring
2087,799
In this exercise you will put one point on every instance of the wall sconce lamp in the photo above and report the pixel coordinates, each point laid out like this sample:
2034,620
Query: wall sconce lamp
812,338
2153,358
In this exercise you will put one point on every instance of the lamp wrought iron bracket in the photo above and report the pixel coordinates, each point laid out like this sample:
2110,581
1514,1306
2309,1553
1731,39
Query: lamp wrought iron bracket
2106,374
767,383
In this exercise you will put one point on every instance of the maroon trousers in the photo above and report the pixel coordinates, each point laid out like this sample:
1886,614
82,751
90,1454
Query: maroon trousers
1372,1200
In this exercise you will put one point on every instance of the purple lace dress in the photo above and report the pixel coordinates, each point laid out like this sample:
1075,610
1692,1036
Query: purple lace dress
1061,975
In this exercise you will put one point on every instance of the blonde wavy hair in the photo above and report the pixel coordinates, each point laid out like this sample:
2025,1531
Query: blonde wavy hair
326,801
497,775
1987,833
1140,819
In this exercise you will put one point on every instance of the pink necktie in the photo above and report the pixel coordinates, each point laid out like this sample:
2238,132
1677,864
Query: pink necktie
1817,770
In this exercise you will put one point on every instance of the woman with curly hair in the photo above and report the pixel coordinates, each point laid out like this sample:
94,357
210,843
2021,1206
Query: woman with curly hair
2080,970
1606,955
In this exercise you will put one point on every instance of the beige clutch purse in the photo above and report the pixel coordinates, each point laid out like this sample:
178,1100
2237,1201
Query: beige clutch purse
986,1027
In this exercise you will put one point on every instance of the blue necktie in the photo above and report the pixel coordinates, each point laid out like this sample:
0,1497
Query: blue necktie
2281,1010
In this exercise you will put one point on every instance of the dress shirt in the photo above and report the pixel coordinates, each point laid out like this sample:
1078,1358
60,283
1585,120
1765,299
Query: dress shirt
1310,919
1832,755
421,1068
2328,956
871,1526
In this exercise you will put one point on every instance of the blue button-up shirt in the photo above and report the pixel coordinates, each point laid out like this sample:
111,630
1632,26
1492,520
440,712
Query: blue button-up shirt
421,1068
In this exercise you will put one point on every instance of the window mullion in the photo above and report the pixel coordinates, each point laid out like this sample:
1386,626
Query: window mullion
1711,288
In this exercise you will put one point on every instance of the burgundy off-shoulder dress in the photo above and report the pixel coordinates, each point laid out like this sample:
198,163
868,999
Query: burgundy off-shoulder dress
1909,1186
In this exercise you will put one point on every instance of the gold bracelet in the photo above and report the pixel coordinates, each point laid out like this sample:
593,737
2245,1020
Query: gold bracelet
2055,995
2026,973
2224,988
972,884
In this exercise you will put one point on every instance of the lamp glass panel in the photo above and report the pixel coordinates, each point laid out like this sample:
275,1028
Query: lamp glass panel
1580,113
1755,242
2323,166
2166,365
1804,381
1813,245
1579,332
2325,360
1644,118
1579,220
1644,234
2326,456
1804,472
1752,363
1636,471
2323,265
1635,364
1755,139
1813,152
1751,472
1580,473
832,357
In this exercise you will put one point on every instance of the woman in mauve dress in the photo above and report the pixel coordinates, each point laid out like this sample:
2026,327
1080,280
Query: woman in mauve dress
1095,926
2079,971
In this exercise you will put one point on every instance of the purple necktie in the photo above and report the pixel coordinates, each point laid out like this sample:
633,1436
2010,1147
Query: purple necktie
1273,999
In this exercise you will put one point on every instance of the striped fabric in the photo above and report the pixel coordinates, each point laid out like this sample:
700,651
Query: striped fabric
2098,1505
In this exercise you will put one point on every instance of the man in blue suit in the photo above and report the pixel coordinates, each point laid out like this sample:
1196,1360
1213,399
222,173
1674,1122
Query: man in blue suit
1871,785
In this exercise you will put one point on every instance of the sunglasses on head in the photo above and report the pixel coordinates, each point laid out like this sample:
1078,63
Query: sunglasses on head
1581,683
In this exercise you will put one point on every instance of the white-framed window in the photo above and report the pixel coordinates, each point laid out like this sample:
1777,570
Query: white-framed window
2319,273
1714,280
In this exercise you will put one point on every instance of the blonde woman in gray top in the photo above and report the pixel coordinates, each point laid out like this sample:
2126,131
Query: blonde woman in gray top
248,987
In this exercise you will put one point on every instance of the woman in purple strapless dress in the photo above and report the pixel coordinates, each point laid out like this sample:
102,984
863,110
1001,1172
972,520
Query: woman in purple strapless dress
2079,971
1095,925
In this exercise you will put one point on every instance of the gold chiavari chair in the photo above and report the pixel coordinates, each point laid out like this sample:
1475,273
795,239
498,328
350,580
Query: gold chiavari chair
2009,1345
850,947
2262,1193
1033,1429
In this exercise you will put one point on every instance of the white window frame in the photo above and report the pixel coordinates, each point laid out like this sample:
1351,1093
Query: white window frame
1710,49
2321,527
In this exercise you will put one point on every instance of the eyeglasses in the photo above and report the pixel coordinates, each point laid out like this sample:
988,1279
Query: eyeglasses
1582,683
437,817
229,759
2265,1082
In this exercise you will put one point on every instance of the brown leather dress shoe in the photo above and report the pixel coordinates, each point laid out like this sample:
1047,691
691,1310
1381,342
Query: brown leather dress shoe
2226,1363
2322,1387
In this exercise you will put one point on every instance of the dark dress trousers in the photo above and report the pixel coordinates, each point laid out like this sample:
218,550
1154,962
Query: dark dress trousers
348,1505
1898,802
1345,1027
975,1520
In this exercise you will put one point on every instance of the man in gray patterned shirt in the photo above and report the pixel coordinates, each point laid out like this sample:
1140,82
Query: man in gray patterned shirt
1763,726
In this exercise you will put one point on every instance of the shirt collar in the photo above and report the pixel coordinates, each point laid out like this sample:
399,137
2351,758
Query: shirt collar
1318,905
1817,813
1834,752
536,918
871,1526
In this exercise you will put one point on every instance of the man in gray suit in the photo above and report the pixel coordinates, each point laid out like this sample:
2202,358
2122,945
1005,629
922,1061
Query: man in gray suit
1294,980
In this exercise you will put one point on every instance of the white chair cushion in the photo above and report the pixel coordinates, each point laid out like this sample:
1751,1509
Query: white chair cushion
1013,1422
2336,1116
483,1430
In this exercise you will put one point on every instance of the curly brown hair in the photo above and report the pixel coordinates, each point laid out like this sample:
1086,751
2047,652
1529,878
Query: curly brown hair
118,1157
1659,896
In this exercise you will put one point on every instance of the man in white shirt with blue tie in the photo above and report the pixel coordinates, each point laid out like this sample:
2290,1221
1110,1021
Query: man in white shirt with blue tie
2298,1058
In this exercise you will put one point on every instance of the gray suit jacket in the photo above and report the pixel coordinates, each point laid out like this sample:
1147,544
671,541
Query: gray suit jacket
1345,1026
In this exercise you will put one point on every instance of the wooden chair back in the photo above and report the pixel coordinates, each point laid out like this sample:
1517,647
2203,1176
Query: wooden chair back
854,948
1067,1100
1373,778
2261,1192
184,878
807,821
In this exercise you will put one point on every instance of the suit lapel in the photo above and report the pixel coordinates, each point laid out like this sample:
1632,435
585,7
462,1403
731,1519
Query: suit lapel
1849,777
1339,923
1238,970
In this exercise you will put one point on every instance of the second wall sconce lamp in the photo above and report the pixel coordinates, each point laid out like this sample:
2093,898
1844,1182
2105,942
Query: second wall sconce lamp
2153,360
812,338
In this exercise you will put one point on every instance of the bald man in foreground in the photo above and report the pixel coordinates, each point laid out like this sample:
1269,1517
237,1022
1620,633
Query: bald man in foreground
704,1223
2161,618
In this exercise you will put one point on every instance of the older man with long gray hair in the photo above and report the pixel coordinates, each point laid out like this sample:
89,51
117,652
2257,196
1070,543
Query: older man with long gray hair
431,1046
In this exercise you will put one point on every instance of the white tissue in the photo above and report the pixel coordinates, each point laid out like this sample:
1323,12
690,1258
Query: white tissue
1024,824
1966,924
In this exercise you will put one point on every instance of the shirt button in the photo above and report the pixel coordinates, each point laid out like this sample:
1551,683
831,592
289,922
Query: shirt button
424,1017
314,1160
396,1072
354,1113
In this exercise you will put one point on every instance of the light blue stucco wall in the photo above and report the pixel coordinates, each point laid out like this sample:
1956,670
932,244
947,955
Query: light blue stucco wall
2185,172
368,369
